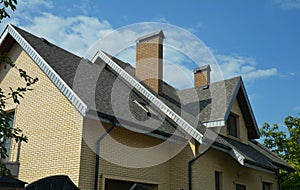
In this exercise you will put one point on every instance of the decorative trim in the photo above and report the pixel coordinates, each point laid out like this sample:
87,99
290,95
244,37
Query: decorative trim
44,66
238,156
153,99
219,123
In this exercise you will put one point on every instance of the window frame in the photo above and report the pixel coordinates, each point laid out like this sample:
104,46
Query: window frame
239,185
228,126
266,183
9,140
220,180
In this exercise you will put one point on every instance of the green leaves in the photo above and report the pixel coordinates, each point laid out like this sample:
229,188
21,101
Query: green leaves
6,4
6,130
285,142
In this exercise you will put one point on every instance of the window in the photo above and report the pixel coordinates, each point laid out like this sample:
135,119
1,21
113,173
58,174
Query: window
8,141
267,186
232,125
218,180
240,187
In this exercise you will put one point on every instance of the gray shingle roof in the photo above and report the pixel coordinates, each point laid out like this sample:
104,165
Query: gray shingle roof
206,109
254,153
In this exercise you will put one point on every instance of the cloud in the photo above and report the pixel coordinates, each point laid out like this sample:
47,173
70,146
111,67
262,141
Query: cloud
288,4
297,108
183,51
33,4
234,65
75,34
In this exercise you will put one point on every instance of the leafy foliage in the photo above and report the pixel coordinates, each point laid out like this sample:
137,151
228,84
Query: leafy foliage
6,4
6,132
285,142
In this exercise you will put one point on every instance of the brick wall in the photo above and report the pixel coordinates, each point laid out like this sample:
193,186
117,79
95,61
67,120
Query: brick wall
52,124
149,66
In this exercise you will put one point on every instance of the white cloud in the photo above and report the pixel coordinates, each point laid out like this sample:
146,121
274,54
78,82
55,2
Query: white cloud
234,65
33,4
288,4
182,53
178,75
75,34
297,108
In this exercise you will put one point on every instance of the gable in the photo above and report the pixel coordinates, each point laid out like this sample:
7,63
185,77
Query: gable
33,46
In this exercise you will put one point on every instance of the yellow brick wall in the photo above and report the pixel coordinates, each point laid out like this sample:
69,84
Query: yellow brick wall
149,66
55,144
201,78
158,174
52,124
233,173
242,129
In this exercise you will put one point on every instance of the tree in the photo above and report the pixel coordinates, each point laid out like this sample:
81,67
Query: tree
6,131
285,142
7,4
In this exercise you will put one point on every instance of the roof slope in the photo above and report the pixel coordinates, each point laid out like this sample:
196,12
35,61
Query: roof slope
253,153
205,106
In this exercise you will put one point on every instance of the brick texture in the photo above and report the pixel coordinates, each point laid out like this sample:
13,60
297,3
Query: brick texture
62,142
52,124
149,66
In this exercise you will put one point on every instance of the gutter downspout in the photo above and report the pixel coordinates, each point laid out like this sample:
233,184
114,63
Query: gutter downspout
190,167
98,152
279,177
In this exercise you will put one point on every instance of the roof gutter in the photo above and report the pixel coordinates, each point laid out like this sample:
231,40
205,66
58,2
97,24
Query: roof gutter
190,167
98,153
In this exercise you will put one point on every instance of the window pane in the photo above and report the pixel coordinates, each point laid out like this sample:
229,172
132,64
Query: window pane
232,125
240,187
8,141
217,181
266,186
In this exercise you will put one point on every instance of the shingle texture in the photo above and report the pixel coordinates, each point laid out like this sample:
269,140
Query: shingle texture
206,103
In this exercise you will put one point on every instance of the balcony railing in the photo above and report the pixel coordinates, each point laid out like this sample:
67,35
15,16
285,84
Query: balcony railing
12,162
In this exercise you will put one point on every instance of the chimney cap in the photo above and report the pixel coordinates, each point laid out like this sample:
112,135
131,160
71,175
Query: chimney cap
159,34
202,68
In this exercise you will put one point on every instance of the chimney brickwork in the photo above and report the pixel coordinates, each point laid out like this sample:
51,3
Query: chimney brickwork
149,60
202,75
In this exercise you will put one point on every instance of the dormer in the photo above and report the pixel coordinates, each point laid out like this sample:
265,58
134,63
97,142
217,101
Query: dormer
239,122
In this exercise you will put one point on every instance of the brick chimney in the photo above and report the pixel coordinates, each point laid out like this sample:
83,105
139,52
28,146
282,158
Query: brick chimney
149,60
202,75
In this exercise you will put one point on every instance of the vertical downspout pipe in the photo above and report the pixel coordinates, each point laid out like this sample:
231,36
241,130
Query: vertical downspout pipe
98,154
190,167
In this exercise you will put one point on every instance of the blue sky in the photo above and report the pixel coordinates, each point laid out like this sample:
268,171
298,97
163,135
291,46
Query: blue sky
259,40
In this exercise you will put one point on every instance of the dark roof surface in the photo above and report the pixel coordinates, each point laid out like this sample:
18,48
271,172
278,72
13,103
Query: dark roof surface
254,153
207,103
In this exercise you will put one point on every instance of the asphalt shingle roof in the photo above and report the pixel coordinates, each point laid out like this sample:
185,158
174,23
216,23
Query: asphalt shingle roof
211,103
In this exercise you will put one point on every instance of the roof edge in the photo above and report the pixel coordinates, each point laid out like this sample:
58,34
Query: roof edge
240,85
80,106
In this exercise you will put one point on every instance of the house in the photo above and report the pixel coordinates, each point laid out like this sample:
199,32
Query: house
94,122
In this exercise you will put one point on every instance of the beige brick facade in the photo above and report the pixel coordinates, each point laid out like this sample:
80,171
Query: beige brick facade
51,123
62,142
149,68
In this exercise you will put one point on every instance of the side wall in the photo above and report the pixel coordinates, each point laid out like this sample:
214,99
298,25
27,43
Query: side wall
232,173
242,129
50,122
121,152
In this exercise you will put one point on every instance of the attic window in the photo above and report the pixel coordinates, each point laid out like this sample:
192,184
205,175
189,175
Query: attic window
232,125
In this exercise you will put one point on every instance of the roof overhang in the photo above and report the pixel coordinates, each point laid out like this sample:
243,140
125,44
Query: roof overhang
11,35
240,95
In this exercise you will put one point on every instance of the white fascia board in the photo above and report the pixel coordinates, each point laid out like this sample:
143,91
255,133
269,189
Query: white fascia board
44,66
153,99
219,123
